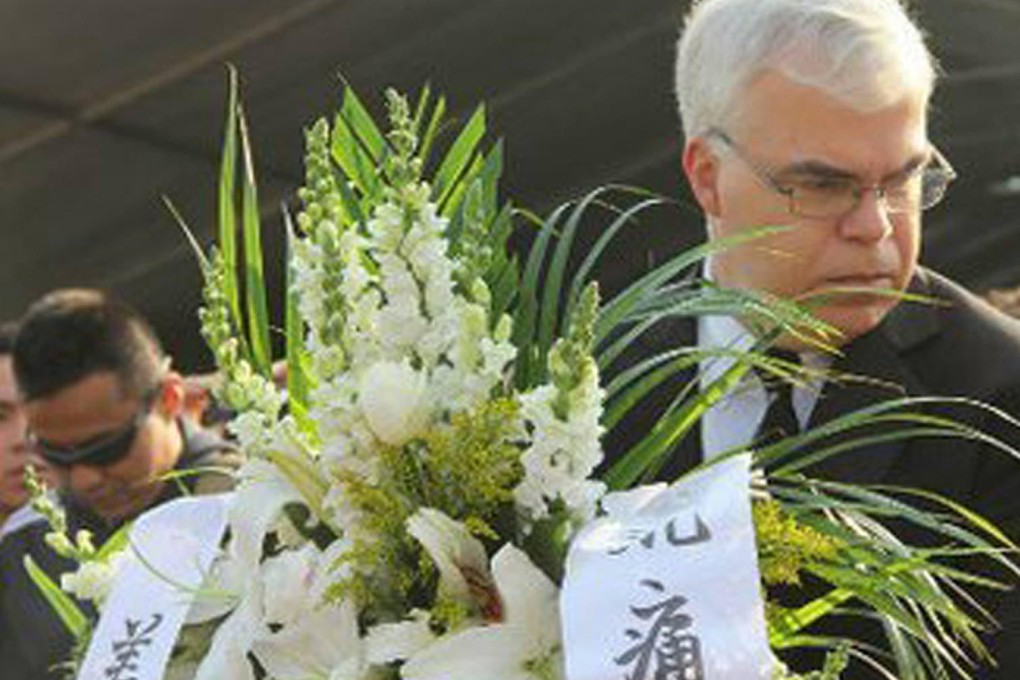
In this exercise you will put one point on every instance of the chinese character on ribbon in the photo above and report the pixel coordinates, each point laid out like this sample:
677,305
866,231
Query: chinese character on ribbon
673,536
127,651
667,650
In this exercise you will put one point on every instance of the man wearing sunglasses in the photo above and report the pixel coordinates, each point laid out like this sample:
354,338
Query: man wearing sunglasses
811,116
104,410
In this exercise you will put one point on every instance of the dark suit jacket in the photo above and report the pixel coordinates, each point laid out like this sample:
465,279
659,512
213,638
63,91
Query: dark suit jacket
960,348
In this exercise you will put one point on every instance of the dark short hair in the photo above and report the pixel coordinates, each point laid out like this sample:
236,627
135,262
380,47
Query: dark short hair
68,335
8,331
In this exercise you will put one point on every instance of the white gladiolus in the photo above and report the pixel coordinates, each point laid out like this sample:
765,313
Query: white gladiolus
393,398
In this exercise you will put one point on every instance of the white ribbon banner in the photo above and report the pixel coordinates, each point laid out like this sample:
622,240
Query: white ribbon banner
176,543
666,584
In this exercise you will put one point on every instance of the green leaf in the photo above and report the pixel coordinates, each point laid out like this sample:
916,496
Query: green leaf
427,138
115,543
227,197
196,248
459,157
297,377
255,283
528,367
627,217
617,310
549,317
358,147
69,613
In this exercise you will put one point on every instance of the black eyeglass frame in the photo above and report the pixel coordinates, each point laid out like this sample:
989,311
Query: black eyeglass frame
103,452
936,167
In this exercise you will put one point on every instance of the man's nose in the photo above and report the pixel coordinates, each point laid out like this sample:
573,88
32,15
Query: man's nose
869,220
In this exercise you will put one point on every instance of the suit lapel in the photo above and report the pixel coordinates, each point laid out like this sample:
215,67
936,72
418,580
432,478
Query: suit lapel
878,372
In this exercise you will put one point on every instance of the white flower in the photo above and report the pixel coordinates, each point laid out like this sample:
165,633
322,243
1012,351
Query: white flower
393,399
323,644
459,556
288,579
525,646
389,642
94,579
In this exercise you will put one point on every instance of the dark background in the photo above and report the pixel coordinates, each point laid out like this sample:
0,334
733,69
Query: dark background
105,105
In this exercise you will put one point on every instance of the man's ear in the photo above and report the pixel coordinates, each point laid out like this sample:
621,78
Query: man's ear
170,402
701,165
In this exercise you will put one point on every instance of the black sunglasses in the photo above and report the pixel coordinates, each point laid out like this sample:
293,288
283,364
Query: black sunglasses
104,450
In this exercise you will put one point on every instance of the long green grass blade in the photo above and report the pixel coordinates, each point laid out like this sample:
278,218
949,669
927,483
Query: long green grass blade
226,199
196,247
427,138
549,317
66,609
255,282
358,147
628,216
459,157
620,306
297,377
528,366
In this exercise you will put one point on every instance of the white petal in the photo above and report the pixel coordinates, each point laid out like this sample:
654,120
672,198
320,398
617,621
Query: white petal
392,397
489,652
228,654
322,640
398,641
288,579
259,498
452,548
530,598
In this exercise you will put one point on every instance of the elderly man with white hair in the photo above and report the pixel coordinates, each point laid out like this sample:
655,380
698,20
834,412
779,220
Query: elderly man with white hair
812,114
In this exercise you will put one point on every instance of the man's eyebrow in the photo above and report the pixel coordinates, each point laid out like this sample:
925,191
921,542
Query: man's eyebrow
821,169
815,168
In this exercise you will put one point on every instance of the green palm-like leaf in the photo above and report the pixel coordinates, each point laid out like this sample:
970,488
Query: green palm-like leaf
254,276
69,613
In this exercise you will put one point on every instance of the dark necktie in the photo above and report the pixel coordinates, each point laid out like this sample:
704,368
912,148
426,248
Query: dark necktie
780,419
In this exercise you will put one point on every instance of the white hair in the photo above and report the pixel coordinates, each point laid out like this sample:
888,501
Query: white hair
867,53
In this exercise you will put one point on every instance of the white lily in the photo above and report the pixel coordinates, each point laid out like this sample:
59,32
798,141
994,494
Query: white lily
238,580
459,556
525,646
322,644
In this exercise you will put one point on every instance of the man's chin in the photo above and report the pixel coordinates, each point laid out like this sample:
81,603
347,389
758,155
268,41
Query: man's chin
856,318
117,509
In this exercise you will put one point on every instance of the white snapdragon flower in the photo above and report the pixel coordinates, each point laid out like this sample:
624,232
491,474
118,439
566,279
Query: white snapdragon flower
394,400
252,431
562,453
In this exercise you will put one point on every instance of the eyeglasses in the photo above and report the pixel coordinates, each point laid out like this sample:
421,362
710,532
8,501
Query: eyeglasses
105,450
827,197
